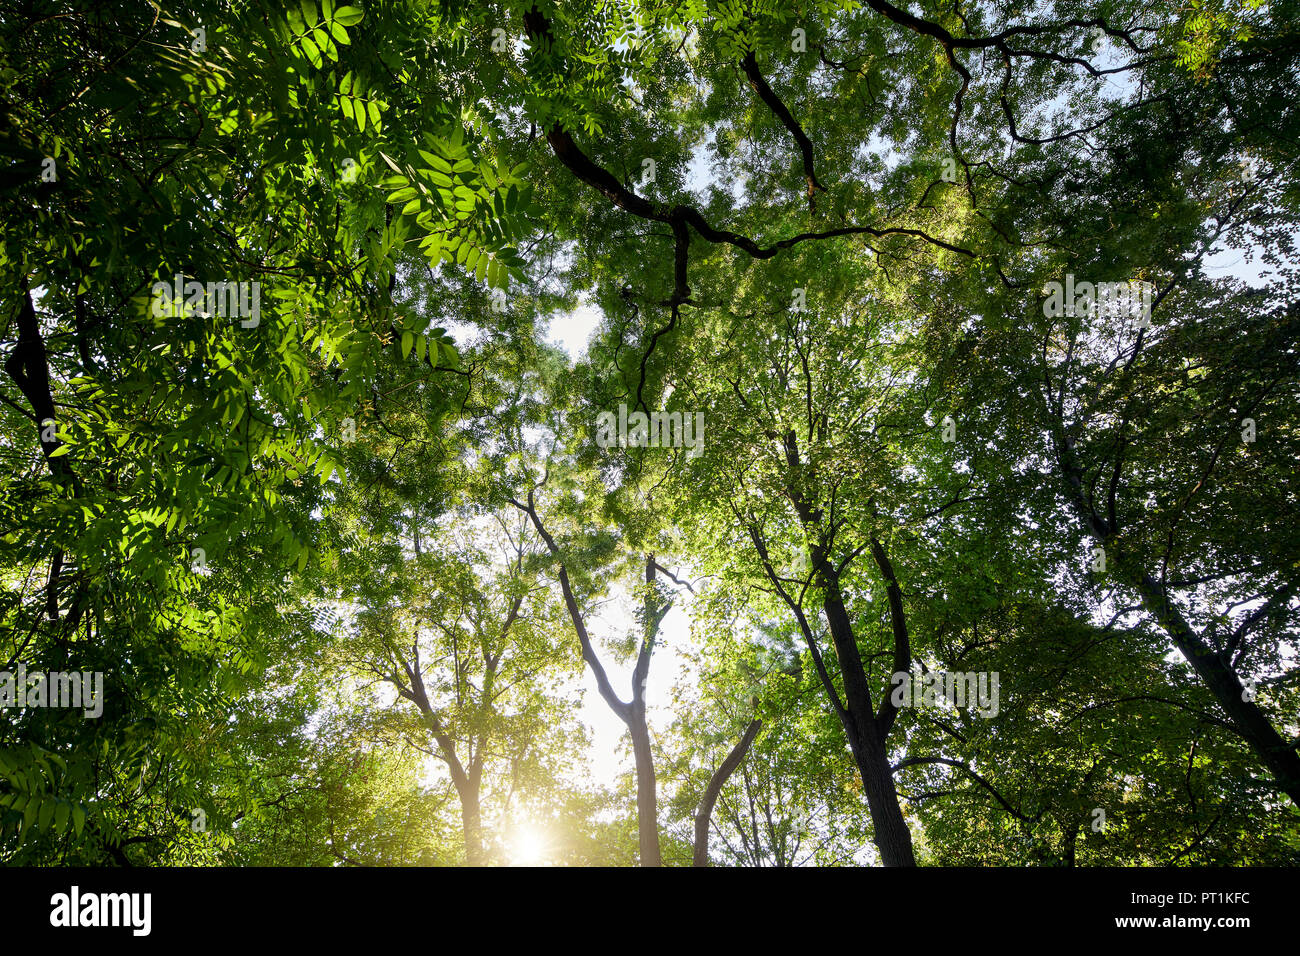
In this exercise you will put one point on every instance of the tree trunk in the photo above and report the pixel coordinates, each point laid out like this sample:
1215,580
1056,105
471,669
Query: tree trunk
866,741
1279,757
863,730
711,792
471,819
1210,666
892,835
647,802
632,712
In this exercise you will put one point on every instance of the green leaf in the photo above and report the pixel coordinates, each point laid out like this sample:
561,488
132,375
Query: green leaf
348,16
326,45
313,54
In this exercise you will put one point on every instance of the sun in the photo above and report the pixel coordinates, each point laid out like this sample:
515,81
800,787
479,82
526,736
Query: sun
527,846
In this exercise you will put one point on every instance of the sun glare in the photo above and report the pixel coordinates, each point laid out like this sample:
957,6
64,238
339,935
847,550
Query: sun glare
527,847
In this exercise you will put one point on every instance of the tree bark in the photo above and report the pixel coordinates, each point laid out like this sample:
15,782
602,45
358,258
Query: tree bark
866,739
866,733
466,781
1246,716
471,818
647,801
704,814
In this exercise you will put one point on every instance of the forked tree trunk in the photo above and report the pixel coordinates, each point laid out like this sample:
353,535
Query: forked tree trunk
865,733
865,740
631,712
704,814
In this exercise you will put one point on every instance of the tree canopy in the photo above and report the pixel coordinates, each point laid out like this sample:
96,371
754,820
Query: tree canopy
918,485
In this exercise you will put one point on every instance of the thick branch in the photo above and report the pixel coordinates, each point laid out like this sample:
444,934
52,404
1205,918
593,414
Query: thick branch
902,642
773,102
619,707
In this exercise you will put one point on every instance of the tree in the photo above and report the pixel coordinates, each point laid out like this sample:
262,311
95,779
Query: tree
467,638
914,383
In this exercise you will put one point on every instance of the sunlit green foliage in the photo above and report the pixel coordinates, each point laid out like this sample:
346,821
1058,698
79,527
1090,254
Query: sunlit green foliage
829,229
